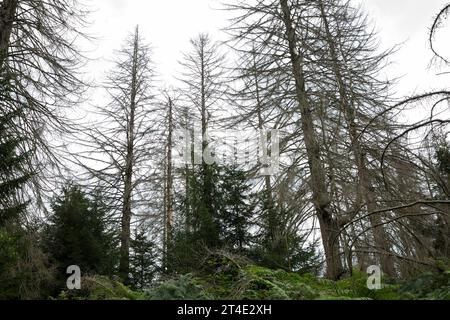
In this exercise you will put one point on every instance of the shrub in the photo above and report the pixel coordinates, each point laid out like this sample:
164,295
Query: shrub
257,283
185,287
429,285
102,288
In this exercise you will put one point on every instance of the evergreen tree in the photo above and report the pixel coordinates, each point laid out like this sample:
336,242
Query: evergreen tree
143,257
78,234
203,221
442,224
222,220
284,247
236,208
13,175
8,260
23,267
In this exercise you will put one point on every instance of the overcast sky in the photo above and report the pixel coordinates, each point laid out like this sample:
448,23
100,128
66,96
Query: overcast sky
169,25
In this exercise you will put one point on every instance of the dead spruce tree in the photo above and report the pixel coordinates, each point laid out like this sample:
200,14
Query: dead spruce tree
202,77
39,72
274,25
353,69
169,193
408,189
332,91
422,220
168,126
261,102
119,147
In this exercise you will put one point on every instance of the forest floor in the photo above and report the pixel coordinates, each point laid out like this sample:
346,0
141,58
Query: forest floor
256,283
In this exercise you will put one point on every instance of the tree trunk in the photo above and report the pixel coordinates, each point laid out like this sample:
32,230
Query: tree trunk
169,180
212,239
272,218
380,235
124,266
328,224
7,13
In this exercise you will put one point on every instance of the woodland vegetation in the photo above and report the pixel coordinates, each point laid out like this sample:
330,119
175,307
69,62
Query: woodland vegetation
356,186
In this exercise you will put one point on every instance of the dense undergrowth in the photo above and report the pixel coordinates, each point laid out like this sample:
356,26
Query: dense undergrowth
252,282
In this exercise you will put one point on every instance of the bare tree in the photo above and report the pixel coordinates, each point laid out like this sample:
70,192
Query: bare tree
261,102
414,198
203,72
168,127
119,148
354,65
324,57
39,72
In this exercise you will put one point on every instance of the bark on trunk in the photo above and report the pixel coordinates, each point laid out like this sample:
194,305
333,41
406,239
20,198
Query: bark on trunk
7,13
272,218
169,177
379,233
124,266
208,184
328,224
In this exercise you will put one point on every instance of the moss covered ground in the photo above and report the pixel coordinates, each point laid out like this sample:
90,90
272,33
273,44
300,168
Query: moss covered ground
252,282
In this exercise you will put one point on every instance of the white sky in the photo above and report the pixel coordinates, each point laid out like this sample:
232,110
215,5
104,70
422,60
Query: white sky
169,25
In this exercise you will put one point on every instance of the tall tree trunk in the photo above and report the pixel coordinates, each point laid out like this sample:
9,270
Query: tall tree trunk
366,190
169,181
124,266
7,13
272,218
207,183
204,115
328,225
188,132
165,259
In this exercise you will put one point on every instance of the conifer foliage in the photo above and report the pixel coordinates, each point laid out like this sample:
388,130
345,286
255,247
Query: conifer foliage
79,233
13,170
